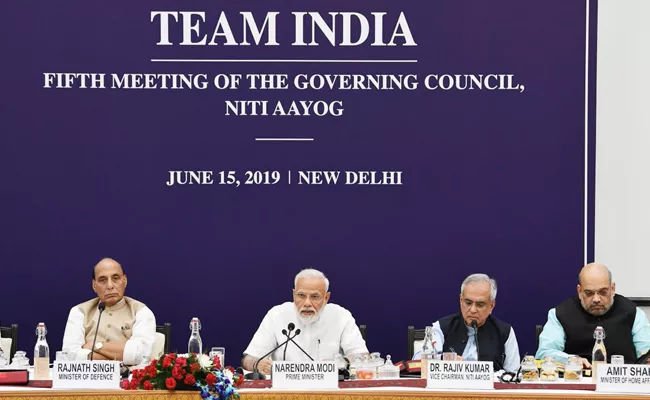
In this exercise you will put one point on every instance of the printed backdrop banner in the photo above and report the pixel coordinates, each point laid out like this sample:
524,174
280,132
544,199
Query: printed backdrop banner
217,148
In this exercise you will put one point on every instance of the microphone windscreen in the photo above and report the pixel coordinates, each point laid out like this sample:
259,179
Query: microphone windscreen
101,306
297,332
292,326
474,323
284,332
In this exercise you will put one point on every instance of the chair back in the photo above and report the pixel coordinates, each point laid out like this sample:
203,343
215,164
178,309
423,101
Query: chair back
538,331
415,340
163,340
9,340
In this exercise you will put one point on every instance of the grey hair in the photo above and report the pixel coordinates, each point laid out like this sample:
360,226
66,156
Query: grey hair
481,278
312,273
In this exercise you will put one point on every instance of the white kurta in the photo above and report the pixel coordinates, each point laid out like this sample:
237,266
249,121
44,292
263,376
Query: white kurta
334,332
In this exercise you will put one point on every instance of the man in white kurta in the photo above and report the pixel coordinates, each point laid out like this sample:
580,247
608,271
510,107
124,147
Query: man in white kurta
127,329
325,329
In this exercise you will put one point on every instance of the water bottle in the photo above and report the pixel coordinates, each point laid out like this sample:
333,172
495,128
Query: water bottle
41,354
195,345
599,353
428,352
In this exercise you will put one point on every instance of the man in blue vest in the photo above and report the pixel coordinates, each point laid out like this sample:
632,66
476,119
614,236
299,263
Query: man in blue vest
570,326
460,332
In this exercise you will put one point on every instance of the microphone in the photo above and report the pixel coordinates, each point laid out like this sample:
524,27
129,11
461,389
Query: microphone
291,327
101,307
301,349
475,326
284,354
256,374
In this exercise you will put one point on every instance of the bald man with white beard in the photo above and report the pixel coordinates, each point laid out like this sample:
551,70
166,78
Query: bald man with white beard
326,329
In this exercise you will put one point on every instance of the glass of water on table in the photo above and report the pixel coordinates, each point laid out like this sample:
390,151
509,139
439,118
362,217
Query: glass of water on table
218,352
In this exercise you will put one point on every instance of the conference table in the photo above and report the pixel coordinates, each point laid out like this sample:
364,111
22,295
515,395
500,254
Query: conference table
383,393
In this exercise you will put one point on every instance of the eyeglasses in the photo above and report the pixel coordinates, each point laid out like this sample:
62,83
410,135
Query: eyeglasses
480,305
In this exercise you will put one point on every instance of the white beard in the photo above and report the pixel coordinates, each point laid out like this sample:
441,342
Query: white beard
309,320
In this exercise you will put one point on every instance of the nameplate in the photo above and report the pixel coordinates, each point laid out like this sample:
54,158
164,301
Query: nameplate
86,375
623,378
460,375
304,375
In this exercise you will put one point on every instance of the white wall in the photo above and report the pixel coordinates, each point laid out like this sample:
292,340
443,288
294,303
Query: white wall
623,144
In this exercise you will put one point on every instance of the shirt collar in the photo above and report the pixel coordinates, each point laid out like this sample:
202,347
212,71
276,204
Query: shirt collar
118,306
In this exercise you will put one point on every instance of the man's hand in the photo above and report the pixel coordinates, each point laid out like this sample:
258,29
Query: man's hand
109,351
265,366
585,362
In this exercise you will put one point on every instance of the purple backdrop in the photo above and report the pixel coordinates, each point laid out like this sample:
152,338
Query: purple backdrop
493,181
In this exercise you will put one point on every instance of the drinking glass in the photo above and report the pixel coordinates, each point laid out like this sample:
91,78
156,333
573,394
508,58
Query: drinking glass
618,359
218,352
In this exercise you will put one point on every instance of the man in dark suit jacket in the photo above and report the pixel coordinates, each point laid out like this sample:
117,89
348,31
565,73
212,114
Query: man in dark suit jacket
497,340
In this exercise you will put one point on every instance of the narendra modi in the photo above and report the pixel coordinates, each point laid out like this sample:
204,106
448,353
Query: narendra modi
325,329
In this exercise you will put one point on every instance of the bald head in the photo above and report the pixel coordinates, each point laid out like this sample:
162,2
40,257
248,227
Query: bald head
595,271
596,289
107,262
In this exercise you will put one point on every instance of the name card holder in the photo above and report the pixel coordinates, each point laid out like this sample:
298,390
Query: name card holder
628,378
308,375
460,375
86,375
